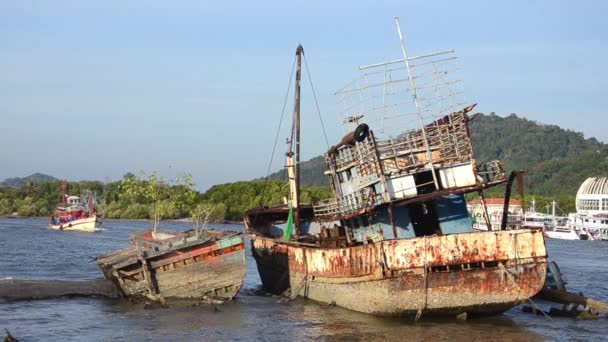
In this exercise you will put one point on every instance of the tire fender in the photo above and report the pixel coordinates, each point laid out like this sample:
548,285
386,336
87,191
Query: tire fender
361,132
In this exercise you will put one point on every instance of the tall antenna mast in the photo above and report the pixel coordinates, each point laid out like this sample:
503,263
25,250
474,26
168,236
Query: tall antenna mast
293,166
417,102
296,110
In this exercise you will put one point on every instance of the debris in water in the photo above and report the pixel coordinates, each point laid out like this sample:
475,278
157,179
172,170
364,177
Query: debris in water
9,337
462,316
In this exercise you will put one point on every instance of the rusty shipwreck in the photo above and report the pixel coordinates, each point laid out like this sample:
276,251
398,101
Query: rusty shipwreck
396,238
196,264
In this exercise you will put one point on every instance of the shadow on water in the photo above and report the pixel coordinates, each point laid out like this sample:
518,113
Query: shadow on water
31,252
334,323
253,316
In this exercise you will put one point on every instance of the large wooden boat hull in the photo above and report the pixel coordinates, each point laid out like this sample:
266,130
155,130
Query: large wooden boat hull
193,270
477,273
89,224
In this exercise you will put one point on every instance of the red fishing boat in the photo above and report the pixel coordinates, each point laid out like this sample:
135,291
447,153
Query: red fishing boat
76,213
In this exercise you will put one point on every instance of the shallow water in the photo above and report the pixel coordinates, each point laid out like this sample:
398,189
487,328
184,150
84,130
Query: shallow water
28,251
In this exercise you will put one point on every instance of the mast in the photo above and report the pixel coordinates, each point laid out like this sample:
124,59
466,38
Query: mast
92,203
64,190
293,158
417,103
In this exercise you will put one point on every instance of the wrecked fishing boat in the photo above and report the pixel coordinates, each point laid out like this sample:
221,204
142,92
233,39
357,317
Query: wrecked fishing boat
396,238
196,264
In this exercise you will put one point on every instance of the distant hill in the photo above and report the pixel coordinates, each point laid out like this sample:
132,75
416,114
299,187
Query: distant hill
524,143
557,160
311,173
18,182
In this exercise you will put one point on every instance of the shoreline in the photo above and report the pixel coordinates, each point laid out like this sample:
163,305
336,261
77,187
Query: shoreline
182,220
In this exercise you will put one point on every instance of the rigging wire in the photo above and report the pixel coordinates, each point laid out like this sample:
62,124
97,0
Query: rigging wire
276,139
316,102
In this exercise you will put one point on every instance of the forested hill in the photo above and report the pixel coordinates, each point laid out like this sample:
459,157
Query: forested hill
557,160
519,142
18,182
311,173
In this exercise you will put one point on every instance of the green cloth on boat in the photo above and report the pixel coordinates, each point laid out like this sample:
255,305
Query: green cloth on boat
289,227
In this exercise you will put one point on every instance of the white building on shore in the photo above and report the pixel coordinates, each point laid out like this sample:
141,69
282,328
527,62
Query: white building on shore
591,209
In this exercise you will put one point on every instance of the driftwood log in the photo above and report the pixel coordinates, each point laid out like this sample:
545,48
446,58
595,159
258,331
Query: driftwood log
572,298
15,289
9,337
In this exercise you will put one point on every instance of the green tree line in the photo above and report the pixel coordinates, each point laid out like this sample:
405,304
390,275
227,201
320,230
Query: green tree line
151,197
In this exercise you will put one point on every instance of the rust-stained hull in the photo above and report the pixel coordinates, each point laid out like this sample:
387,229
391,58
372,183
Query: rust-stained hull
477,273
199,269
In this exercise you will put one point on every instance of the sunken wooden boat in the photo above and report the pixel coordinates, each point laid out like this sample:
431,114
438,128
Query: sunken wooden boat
196,264
396,238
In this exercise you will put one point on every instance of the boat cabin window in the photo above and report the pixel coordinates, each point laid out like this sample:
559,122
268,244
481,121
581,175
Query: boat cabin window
348,174
424,219
351,223
364,221
424,182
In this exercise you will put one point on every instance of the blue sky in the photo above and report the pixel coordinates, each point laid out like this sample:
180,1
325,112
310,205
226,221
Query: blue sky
92,91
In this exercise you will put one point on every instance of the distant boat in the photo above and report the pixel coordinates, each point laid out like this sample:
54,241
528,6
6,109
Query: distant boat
586,227
494,208
195,264
563,233
558,228
535,219
76,213
396,238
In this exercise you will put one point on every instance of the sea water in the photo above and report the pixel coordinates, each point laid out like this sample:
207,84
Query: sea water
29,251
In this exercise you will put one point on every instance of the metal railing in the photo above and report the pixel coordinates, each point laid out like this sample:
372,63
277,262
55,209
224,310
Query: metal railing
348,204
491,171
448,142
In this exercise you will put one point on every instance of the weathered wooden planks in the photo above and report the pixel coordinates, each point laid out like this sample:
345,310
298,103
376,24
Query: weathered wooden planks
208,264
